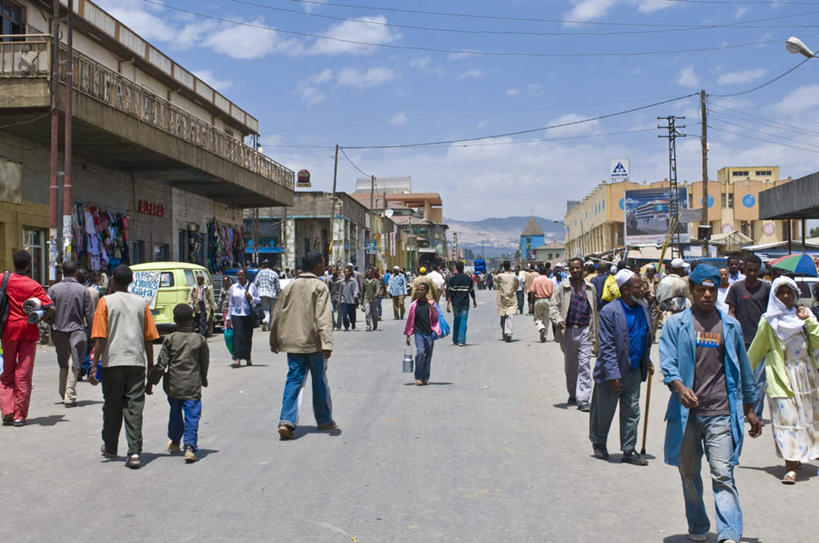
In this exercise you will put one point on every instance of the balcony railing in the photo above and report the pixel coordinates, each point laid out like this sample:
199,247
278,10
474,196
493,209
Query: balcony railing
31,58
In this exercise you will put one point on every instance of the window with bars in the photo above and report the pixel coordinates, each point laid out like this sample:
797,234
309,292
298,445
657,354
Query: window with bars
12,19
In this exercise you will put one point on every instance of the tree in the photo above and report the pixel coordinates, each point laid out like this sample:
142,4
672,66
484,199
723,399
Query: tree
814,232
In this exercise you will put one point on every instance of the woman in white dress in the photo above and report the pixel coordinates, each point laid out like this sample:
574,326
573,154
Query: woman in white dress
786,338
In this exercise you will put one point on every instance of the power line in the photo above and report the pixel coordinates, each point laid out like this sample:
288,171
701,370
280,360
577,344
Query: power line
467,52
767,120
492,17
362,172
734,25
746,135
777,78
528,131
756,129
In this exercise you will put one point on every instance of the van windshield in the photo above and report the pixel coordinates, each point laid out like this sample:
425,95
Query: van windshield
189,277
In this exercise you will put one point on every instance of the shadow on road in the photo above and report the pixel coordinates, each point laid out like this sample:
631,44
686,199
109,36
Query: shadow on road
51,420
84,403
683,538
439,383
807,471
302,431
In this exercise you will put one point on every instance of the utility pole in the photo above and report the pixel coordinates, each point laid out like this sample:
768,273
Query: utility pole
674,204
333,214
69,87
53,246
704,143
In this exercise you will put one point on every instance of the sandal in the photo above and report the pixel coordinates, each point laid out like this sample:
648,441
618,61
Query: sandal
236,365
789,478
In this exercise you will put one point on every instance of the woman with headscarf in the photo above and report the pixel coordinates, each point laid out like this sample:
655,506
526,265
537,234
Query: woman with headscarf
241,297
785,339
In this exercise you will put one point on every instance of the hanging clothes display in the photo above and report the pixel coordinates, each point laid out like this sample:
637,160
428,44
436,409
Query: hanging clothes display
100,240
226,246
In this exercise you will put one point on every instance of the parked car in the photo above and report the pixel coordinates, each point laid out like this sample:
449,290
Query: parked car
806,286
175,282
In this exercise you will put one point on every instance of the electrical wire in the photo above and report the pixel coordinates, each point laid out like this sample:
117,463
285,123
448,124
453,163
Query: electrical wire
530,130
362,172
467,52
32,120
489,17
772,124
734,25
757,129
748,136
767,120
763,85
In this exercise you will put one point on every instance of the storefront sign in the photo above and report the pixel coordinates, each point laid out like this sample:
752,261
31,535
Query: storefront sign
145,285
151,208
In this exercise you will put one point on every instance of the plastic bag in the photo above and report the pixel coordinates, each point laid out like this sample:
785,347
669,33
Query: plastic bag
610,290
229,340
442,323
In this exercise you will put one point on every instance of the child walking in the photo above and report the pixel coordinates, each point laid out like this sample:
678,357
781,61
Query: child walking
183,360
422,322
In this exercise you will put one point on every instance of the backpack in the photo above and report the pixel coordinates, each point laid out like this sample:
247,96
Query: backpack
4,301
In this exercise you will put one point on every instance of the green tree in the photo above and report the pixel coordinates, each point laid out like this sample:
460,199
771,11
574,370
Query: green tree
814,232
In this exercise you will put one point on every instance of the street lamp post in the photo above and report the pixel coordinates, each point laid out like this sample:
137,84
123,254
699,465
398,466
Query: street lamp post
797,47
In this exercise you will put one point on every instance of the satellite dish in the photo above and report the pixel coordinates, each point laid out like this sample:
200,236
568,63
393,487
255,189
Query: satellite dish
388,213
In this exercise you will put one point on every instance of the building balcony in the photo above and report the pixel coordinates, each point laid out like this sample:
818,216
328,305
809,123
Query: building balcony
120,124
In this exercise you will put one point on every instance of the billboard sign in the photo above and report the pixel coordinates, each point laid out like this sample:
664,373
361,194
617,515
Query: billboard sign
647,215
619,169
146,285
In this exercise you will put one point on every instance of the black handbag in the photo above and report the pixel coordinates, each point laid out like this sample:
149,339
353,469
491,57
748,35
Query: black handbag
4,301
256,314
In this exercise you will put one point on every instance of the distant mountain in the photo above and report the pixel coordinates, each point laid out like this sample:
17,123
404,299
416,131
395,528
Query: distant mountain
497,236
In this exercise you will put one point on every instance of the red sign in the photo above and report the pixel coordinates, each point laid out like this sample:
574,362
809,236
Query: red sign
303,177
151,208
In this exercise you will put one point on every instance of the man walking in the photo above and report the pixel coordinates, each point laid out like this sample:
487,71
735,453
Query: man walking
574,311
747,300
200,299
506,283
124,332
267,282
437,277
350,296
372,287
704,363
599,281
459,289
423,277
520,292
302,327
531,275
542,289
734,274
622,365
650,282
672,291
19,340
398,290
72,305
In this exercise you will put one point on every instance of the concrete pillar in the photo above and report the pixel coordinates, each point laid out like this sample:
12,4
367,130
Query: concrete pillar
290,243
337,257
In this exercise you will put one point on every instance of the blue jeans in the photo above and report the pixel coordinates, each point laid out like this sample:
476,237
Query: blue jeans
300,365
184,421
337,315
715,433
520,301
379,306
348,314
423,355
459,316
761,380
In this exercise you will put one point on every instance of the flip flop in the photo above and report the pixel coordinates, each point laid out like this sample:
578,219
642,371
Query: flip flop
789,478
236,365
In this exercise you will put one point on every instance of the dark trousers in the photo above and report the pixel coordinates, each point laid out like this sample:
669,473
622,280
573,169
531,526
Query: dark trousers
242,337
123,392
348,313
423,355
520,301
202,318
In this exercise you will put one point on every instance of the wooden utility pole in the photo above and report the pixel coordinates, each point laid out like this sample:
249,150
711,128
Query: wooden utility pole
69,88
333,214
53,229
704,143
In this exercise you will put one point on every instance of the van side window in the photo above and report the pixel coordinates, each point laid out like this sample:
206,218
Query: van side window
189,278
166,279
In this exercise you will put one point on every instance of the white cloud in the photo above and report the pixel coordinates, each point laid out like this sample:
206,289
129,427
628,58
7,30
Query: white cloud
365,29
800,100
398,118
420,63
246,42
532,89
587,10
311,95
574,129
208,77
323,77
472,74
740,77
359,79
687,77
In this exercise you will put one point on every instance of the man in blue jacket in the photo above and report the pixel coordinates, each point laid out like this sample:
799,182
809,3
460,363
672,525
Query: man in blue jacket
704,363
625,341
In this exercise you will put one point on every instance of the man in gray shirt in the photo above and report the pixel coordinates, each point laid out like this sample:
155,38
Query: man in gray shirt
350,296
68,329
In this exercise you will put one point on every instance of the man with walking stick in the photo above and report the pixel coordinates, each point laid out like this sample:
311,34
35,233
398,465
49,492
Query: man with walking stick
704,363
622,365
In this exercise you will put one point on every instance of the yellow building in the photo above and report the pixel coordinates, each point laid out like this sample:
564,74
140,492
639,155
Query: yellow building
596,223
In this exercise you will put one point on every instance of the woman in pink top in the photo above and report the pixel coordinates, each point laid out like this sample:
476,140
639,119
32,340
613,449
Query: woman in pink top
422,322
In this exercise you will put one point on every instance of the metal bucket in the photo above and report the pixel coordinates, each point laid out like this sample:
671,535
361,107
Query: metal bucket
408,363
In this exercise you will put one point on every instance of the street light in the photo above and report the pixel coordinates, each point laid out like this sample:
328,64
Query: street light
797,47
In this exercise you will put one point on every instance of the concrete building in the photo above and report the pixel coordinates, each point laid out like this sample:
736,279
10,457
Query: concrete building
160,169
531,238
596,223
553,252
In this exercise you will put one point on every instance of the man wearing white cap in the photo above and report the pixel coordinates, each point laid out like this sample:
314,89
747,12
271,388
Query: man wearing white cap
622,365
573,310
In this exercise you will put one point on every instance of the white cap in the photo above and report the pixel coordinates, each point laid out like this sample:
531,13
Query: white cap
677,263
612,269
651,266
396,268
623,277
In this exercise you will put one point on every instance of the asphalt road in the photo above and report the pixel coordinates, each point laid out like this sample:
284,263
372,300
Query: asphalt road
488,452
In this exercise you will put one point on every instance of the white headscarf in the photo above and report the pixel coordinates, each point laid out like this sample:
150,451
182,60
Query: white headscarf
783,320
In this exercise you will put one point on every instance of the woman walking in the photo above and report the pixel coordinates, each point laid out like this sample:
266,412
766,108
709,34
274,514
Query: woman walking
422,322
785,339
242,295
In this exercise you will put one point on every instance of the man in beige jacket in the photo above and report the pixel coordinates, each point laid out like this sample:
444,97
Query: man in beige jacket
302,326
506,283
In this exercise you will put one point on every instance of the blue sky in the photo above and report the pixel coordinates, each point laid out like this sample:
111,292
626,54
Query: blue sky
310,93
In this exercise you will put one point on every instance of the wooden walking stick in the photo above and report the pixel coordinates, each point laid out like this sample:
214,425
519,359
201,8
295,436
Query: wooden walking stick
648,403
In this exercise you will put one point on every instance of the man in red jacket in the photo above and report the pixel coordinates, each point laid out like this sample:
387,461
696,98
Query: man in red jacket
19,341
